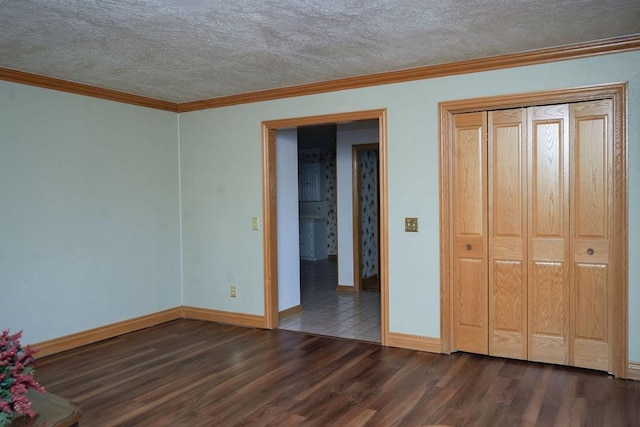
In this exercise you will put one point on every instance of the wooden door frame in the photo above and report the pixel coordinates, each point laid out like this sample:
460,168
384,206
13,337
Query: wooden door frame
269,203
617,92
356,191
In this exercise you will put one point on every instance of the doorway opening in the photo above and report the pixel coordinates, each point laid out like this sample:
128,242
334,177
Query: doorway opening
336,274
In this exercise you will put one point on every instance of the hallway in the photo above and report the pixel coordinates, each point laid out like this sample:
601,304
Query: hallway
352,315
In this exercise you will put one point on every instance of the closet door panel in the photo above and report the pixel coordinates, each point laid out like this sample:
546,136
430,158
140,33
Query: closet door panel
590,326
507,233
548,236
547,325
471,315
507,337
589,145
469,220
592,202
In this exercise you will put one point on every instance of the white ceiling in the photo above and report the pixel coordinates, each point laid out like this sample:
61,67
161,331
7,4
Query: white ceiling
187,50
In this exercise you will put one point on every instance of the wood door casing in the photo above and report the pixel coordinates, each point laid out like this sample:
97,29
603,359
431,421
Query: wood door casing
591,202
269,198
470,232
507,168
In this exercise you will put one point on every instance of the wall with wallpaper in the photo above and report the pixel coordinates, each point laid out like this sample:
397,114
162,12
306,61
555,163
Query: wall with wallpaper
369,212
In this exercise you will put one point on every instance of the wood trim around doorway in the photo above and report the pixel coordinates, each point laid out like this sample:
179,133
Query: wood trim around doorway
617,92
269,200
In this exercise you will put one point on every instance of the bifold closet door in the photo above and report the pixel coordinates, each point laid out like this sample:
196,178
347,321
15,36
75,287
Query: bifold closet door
532,199
507,166
469,226
591,135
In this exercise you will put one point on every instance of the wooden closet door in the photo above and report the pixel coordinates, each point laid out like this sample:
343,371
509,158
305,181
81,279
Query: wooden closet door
548,234
507,154
591,228
469,220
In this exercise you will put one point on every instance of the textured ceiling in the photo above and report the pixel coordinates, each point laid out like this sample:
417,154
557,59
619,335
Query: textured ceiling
187,50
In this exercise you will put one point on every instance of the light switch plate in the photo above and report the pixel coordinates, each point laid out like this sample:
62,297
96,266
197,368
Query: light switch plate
411,225
255,223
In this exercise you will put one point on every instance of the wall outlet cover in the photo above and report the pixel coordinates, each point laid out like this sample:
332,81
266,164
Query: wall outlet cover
411,225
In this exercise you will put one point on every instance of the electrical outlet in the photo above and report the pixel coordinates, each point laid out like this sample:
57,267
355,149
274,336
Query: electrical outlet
233,292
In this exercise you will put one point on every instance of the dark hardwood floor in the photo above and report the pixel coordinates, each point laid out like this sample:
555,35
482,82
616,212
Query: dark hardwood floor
196,373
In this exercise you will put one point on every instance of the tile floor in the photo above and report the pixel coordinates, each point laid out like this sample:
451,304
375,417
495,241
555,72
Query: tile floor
353,315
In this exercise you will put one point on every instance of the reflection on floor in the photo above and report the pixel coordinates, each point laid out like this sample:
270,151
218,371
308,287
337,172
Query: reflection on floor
354,315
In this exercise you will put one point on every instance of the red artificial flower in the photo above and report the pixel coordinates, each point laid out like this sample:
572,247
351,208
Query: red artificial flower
16,376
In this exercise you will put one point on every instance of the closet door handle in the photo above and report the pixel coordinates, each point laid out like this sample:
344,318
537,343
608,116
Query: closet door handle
590,251
468,247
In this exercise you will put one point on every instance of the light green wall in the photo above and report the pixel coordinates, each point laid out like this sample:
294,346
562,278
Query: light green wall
222,183
89,213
